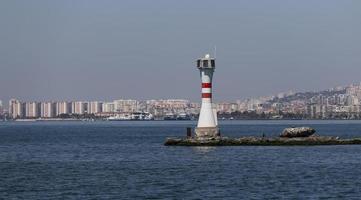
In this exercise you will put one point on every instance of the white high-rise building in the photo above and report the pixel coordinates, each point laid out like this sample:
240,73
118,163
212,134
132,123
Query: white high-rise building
352,100
78,107
16,109
62,108
95,107
47,109
108,107
126,105
32,110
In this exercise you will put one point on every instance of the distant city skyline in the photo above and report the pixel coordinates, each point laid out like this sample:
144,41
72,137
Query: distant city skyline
334,103
99,50
105,99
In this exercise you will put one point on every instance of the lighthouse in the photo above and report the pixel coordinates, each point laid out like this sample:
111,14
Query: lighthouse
207,123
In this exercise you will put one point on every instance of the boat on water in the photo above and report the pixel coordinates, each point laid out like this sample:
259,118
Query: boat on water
170,116
25,120
141,116
181,116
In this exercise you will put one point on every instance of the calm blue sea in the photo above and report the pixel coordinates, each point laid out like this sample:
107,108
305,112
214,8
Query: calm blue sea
127,160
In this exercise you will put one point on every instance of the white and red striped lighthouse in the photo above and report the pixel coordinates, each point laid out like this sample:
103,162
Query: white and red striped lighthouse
207,122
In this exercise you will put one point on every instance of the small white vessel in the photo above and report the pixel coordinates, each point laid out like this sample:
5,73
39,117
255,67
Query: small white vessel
131,116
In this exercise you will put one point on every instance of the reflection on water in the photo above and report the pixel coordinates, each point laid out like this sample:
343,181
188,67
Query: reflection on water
203,149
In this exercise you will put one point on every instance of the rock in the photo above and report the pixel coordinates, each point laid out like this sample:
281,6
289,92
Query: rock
297,132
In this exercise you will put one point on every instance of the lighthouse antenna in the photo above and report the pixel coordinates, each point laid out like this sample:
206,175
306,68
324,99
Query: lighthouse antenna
215,51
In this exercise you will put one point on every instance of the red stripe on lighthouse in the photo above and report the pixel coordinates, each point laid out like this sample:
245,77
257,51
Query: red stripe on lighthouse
206,95
206,85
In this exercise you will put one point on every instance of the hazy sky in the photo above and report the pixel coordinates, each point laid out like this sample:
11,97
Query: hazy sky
104,50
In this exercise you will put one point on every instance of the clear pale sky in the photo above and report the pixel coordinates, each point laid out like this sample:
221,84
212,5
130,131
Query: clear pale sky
104,50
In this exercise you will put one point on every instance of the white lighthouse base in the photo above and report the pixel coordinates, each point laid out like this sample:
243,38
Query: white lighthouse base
207,132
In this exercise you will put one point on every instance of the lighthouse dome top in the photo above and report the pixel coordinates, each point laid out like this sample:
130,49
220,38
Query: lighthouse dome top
206,62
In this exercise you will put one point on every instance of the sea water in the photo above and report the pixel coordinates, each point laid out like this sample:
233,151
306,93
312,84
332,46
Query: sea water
127,160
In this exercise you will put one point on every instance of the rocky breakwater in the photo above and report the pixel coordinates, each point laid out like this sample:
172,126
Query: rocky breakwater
290,136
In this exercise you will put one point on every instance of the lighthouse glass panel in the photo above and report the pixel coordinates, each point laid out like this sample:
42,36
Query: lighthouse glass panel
205,63
212,63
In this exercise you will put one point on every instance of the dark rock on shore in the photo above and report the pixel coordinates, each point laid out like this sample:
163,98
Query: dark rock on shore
297,132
